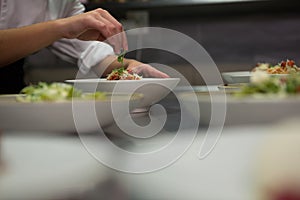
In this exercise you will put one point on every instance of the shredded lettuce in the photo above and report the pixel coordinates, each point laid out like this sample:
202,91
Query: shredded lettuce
54,92
272,86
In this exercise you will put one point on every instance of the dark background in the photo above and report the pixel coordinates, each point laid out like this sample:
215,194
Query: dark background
236,34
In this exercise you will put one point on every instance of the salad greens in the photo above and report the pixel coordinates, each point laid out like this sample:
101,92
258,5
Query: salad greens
56,92
272,85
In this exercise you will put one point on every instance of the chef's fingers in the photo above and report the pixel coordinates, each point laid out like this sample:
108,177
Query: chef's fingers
148,71
115,28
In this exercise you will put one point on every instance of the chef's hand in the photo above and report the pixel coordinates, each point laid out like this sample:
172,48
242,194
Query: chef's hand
95,25
145,70
111,62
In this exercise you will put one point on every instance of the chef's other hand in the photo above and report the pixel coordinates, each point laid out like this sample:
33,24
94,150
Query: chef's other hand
95,25
144,69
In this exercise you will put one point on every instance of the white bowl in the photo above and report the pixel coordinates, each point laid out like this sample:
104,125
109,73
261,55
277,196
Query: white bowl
237,77
69,116
152,89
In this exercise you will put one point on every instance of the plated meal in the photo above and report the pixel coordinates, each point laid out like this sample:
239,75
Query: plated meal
60,108
284,68
122,80
261,84
265,99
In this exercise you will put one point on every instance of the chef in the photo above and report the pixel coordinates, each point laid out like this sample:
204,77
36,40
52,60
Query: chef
87,55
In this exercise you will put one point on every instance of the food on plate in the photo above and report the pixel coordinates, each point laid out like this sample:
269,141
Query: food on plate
123,74
56,92
263,84
284,67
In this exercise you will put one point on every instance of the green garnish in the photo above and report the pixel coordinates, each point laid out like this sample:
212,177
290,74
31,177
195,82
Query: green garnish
121,57
119,71
56,92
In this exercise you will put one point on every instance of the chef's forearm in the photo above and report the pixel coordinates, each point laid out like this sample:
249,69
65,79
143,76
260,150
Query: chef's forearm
19,42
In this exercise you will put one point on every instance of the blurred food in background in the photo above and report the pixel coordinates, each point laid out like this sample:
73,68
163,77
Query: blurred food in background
278,174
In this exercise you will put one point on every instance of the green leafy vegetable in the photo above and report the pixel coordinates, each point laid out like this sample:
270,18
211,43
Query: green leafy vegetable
273,85
56,92
121,57
119,71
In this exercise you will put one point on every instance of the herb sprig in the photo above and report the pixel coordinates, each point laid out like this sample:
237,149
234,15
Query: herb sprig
121,56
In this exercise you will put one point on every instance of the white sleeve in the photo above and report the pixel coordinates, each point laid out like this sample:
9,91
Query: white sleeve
83,53
92,55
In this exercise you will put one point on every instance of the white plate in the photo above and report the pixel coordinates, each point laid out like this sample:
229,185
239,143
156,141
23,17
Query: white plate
85,116
243,111
237,77
153,89
242,76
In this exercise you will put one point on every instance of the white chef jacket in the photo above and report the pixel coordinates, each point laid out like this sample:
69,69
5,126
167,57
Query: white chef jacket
18,13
